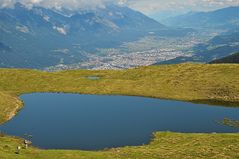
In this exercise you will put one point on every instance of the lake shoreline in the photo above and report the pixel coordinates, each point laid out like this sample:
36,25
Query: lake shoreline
157,117
184,82
211,102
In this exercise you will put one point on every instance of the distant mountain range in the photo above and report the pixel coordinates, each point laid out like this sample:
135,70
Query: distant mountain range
40,37
226,18
234,58
223,21
216,48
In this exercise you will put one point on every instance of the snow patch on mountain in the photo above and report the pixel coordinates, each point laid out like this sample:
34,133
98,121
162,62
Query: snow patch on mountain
61,30
22,29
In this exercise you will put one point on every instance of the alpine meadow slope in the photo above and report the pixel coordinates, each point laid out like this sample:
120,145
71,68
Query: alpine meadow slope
189,82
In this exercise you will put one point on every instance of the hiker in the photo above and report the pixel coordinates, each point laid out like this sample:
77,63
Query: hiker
26,142
18,149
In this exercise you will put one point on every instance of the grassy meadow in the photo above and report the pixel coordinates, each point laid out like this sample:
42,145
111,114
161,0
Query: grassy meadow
201,83
164,145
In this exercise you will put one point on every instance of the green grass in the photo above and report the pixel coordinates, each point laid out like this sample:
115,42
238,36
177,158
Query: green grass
164,145
188,82
9,105
230,122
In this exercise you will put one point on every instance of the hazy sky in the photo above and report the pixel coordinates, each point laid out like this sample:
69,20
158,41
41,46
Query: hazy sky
151,6
146,6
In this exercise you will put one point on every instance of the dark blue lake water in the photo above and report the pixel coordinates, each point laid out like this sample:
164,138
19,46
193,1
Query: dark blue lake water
91,122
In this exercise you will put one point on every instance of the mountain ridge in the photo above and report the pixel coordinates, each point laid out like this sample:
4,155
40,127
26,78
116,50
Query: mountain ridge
225,18
234,58
24,29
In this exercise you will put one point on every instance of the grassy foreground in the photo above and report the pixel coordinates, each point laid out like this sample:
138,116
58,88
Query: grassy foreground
164,145
189,82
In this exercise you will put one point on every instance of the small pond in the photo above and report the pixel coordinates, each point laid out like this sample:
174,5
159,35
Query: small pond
93,77
93,122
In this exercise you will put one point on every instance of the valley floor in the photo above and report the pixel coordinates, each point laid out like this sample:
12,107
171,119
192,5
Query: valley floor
188,82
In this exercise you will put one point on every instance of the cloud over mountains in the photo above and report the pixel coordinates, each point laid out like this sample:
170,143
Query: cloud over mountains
58,4
150,6
146,6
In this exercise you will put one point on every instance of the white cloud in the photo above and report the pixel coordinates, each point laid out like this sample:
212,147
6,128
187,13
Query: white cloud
151,6
146,6
70,4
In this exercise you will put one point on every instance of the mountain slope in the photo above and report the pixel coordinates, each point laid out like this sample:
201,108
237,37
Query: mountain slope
40,37
218,47
223,18
234,58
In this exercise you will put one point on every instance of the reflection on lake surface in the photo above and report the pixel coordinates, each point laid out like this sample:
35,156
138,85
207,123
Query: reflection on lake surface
90,122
